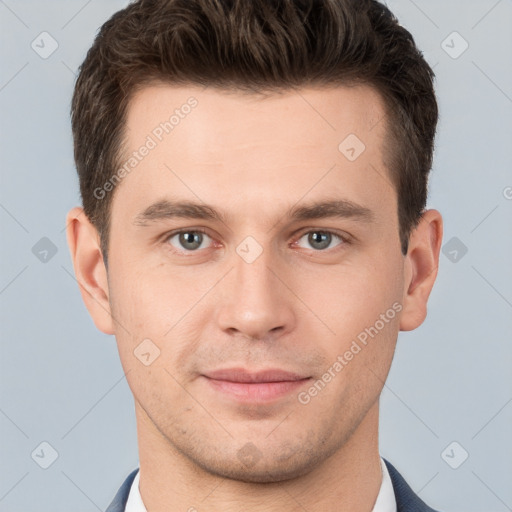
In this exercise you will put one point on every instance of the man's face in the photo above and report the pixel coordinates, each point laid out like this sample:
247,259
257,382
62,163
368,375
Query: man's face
263,288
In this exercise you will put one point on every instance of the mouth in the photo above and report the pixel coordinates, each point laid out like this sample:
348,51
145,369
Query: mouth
261,386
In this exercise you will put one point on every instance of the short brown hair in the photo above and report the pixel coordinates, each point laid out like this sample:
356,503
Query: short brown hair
255,46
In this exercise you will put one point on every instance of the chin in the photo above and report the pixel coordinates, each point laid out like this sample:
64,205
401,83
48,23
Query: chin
252,466
274,473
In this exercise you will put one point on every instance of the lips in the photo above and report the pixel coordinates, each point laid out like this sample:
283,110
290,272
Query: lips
245,376
262,386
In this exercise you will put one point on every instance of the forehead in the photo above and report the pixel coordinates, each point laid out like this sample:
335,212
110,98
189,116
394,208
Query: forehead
227,147
311,113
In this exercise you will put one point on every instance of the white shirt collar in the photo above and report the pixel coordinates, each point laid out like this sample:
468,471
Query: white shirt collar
385,502
134,502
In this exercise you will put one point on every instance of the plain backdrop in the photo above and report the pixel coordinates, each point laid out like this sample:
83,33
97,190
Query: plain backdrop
446,409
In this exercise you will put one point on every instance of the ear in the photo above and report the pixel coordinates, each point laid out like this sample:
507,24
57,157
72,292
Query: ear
420,267
91,274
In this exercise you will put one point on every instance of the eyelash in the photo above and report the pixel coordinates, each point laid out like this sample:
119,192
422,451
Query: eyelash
345,239
168,236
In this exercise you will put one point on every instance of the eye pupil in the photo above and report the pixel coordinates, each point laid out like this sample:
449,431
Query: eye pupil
319,239
191,239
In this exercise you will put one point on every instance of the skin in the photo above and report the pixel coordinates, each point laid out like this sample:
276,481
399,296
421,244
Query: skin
296,307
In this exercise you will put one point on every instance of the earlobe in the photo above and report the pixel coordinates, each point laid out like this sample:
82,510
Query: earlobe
420,267
90,272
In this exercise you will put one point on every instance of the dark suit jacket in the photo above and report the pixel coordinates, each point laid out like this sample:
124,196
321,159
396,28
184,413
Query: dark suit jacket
406,500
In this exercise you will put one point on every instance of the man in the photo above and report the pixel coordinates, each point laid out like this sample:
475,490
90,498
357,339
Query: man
254,180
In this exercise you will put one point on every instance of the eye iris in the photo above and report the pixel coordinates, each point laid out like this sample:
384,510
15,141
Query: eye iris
319,240
191,240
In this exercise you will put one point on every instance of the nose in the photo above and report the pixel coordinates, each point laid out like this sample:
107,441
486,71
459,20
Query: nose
255,301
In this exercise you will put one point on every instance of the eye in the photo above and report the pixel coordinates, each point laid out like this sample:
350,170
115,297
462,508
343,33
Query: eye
190,240
320,240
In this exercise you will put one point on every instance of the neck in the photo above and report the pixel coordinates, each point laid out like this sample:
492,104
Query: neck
348,480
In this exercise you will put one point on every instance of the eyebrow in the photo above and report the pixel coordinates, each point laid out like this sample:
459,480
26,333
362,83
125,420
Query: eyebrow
338,208
165,209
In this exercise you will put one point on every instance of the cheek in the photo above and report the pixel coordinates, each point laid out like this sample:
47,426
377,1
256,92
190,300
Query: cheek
152,299
360,304
358,360
350,297
156,313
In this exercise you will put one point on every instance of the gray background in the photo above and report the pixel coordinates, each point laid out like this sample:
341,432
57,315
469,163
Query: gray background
451,380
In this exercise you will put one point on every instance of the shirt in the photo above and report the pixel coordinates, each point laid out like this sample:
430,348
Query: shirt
385,502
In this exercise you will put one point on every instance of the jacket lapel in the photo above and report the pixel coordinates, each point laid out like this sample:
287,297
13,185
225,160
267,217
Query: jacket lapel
119,502
406,499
